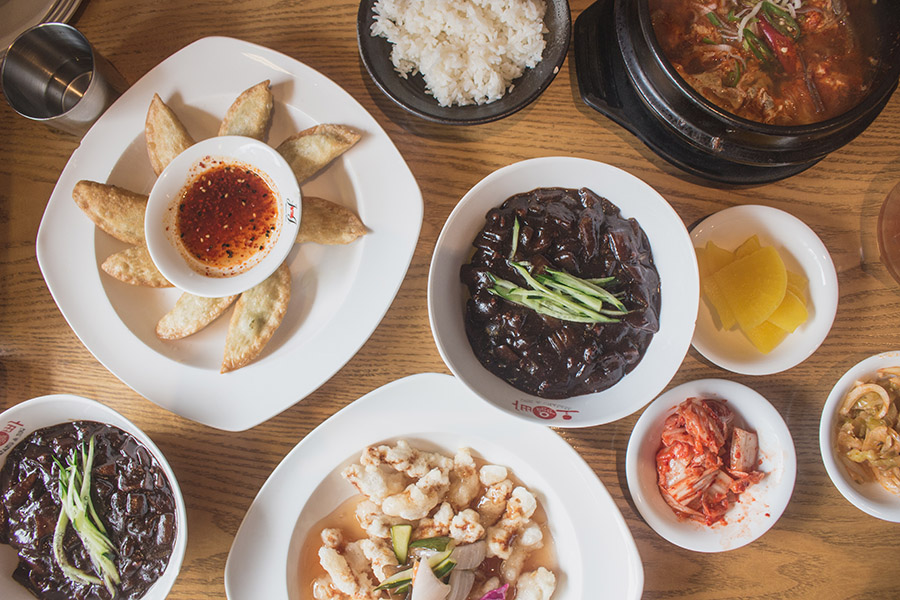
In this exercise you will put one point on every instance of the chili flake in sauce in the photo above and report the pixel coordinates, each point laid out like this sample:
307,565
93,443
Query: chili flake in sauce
226,215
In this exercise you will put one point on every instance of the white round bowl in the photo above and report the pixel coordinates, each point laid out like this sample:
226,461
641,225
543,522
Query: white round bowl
758,508
804,253
21,420
869,497
673,255
159,222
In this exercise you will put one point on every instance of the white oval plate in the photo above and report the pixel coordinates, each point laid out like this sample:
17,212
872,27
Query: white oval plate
591,539
173,261
339,293
19,421
672,253
759,507
868,497
803,252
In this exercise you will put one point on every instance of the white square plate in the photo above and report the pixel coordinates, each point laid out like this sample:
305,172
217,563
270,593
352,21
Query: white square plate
339,294
593,546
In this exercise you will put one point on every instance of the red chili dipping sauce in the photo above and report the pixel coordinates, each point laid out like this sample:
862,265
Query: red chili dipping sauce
226,215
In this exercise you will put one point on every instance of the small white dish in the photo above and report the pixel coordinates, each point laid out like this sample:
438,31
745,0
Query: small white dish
869,497
673,256
804,253
21,420
171,258
591,540
758,508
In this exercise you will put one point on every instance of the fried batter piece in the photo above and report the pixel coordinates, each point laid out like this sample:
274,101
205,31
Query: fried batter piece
347,566
464,483
166,136
536,585
134,266
310,150
374,482
417,500
249,115
406,459
517,516
376,523
115,210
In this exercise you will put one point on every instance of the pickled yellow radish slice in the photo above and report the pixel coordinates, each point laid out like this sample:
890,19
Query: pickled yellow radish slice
753,286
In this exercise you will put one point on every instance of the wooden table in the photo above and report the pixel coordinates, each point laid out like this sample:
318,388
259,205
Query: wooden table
822,547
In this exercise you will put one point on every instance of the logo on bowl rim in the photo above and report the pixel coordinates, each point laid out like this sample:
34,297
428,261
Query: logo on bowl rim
10,433
544,412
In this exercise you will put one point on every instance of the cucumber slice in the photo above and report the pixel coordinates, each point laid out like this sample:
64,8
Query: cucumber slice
444,567
400,535
435,543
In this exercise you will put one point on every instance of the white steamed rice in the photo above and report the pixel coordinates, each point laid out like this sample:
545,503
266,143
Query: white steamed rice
468,51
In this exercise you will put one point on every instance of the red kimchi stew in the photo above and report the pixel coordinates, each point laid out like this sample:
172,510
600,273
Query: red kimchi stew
780,62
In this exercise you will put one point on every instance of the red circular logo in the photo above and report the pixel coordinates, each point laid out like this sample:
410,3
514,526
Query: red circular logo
4,437
544,412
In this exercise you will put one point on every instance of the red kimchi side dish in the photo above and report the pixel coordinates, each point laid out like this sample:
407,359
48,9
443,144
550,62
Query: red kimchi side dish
780,62
704,462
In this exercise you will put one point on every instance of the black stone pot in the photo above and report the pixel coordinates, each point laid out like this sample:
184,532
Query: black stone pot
623,74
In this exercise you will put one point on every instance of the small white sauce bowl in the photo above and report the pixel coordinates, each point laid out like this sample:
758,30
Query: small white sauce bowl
757,509
803,253
23,419
159,222
869,497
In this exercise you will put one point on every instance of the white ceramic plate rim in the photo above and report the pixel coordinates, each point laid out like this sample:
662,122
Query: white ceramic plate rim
802,250
20,15
45,411
679,283
391,207
868,497
159,229
582,516
746,521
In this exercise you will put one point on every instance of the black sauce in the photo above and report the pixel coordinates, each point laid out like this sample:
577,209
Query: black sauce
579,232
130,493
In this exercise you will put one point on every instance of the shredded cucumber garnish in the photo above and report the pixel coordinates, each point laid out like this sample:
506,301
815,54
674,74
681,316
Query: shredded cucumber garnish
561,295
558,294
78,509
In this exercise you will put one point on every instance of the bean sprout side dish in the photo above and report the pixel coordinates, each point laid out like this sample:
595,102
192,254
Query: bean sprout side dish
868,438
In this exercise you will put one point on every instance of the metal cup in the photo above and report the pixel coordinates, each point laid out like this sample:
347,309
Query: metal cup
52,74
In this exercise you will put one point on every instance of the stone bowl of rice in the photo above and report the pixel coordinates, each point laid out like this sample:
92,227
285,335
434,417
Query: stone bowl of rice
463,62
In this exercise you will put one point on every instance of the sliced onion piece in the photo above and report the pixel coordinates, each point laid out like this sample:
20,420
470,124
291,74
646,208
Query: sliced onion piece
425,585
461,583
469,556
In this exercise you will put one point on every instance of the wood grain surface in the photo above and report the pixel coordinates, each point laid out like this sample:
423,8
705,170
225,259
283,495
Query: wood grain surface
822,547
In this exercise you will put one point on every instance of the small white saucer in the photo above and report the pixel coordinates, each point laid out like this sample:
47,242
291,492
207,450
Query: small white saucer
159,221
758,508
803,253
868,497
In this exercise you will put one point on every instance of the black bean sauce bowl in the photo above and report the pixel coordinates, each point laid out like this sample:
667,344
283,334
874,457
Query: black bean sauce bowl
134,492
410,93
623,74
